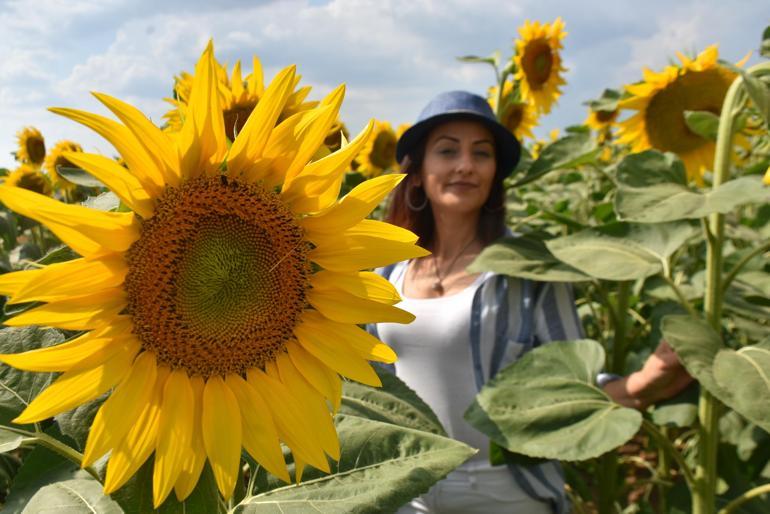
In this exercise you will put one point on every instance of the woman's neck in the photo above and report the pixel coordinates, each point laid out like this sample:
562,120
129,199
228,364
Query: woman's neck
453,232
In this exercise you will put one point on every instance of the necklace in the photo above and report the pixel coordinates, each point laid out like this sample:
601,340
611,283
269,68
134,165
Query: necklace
438,287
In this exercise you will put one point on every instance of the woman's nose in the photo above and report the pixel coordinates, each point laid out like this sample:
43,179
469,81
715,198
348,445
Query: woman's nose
465,162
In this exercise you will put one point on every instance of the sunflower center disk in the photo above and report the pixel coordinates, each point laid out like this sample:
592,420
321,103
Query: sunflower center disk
537,63
217,280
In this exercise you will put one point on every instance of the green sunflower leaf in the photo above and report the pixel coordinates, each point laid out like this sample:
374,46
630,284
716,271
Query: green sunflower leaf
745,375
525,257
9,441
393,403
568,152
622,251
652,189
381,467
546,405
79,176
80,495
764,48
703,123
19,388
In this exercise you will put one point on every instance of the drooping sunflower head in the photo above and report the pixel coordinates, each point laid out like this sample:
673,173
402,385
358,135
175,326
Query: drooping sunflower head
222,309
517,116
660,102
29,177
57,159
538,63
604,111
31,146
379,154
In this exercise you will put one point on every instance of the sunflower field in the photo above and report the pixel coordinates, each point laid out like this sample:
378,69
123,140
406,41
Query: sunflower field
183,319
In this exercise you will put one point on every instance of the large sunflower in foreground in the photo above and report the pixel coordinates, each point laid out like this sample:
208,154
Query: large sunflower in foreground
379,153
517,116
222,309
661,100
31,146
238,97
538,63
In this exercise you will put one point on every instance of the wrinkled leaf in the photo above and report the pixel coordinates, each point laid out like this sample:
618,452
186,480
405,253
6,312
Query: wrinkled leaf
76,423
679,411
9,441
103,202
381,467
745,375
546,405
621,251
702,123
568,152
525,257
759,92
18,388
79,176
393,403
75,496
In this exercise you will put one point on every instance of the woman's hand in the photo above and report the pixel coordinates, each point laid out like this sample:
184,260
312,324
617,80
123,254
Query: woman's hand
661,377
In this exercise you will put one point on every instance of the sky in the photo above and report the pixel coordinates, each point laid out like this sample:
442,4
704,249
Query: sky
393,55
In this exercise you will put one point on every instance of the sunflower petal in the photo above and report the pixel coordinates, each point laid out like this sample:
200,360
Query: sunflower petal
139,442
206,112
196,456
222,433
11,283
117,178
80,313
343,307
260,437
326,381
68,279
359,341
355,206
88,232
174,434
364,284
77,387
118,413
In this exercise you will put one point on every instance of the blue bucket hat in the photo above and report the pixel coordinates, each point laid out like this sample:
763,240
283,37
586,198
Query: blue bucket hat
462,105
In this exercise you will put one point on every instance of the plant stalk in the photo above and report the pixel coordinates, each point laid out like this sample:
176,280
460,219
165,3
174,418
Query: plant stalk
740,500
619,346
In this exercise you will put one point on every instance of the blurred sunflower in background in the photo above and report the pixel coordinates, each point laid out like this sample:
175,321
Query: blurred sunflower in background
538,63
603,119
221,310
31,146
29,177
517,116
57,158
660,102
379,153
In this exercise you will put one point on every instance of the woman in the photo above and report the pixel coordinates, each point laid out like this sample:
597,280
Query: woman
468,326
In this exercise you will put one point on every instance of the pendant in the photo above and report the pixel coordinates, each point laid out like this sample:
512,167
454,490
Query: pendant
438,288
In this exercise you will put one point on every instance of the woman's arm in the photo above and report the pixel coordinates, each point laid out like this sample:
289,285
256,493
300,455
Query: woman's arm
661,377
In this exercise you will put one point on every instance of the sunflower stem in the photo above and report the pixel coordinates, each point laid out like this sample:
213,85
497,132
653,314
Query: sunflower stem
65,451
740,500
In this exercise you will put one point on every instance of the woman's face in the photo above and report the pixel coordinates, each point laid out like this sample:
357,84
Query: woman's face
459,166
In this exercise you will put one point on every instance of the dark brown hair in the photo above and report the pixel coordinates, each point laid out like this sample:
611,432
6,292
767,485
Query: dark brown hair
491,219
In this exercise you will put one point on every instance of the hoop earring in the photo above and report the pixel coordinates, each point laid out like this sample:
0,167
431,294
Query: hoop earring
410,205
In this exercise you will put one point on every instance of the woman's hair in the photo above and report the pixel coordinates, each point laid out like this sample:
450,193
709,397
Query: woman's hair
491,219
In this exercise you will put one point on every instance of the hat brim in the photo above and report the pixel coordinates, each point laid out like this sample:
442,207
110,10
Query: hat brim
507,147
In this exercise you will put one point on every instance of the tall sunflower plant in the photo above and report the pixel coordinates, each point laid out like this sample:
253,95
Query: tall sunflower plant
195,344
664,237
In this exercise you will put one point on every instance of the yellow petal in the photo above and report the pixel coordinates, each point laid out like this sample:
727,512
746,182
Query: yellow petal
117,178
139,442
88,232
236,82
317,186
74,388
357,340
260,437
355,206
206,112
68,279
255,80
139,163
326,381
289,419
313,405
74,354
80,313
339,358
196,456
124,406
364,284
343,307
156,143
252,139
174,434
11,283
222,436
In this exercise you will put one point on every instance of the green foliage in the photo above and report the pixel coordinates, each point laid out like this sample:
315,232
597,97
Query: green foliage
703,123
79,495
568,152
745,376
547,405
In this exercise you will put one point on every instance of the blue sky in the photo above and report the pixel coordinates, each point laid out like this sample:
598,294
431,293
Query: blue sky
393,55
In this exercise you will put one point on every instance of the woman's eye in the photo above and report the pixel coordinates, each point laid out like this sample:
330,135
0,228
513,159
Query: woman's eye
483,153
446,151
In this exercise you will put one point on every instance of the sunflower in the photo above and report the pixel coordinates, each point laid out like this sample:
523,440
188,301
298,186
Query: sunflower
29,177
766,179
58,158
379,154
538,63
31,146
238,97
517,116
222,309
661,100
